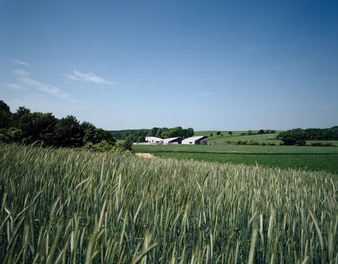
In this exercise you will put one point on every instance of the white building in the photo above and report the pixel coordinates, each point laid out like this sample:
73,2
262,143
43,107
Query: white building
173,140
154,140
197,140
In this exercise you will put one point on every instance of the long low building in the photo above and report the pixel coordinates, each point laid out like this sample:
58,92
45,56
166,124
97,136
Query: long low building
173,140
154,140
196,140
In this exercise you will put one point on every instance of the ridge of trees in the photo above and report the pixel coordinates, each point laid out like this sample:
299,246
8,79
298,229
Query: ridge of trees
299,136
28,127
139,135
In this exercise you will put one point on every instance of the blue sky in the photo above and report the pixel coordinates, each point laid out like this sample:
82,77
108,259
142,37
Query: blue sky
222,65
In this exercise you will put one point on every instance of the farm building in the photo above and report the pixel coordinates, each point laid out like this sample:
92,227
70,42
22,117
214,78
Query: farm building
197,140
154,140
173,140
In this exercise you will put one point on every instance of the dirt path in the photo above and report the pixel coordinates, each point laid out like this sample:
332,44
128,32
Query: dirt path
145,155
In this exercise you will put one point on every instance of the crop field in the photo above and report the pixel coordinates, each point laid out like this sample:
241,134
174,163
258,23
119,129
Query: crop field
224,138
237,135
327,163
284,157
74,206
241,149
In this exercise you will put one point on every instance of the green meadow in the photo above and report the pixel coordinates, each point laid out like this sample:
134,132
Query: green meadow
308,158
76,206
270,138
312,162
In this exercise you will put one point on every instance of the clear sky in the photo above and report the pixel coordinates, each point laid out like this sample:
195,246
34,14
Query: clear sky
209,65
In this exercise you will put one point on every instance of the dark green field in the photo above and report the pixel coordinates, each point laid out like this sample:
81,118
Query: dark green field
284,157
313,162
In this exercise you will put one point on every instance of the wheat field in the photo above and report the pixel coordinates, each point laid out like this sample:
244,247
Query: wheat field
74,206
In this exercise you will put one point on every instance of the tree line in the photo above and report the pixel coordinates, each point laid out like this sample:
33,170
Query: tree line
299,136
45,129
139,135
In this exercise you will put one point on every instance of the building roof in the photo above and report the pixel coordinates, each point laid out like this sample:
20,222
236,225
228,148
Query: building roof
167,140
195,138
153,138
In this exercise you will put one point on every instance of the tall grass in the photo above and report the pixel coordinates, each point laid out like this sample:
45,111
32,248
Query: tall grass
66,206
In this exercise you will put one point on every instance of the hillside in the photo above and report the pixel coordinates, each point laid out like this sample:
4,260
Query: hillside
84,207
226,138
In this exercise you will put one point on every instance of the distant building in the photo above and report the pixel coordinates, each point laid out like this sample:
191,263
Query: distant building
197,140
173,140
154,140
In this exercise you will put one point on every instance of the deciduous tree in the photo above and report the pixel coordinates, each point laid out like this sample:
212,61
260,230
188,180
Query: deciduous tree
68,132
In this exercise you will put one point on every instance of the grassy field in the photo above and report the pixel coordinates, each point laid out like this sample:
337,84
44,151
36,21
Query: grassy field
268,153
295,157
225,138
72,206
241,149
302,162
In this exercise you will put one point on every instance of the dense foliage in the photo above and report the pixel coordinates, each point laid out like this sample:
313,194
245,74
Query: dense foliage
44,129
138,135
293,137
321,134
299,136
66,206
259,132
133,135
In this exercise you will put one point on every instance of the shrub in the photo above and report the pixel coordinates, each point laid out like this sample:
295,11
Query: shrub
252,142
102,146
123,145
322,144
293,137
10,135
